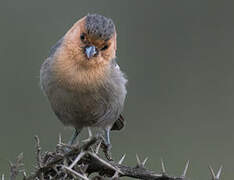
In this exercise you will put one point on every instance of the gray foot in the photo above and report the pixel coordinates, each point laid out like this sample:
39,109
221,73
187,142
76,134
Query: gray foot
74,136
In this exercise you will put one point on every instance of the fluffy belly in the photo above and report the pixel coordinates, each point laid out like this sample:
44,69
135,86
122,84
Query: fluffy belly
82,110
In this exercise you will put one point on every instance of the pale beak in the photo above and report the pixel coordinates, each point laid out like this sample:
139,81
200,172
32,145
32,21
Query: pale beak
90,51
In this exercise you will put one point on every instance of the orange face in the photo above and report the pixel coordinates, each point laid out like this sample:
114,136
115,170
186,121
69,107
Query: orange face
86,49
83,59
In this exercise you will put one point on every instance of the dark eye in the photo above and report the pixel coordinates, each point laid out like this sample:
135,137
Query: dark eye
82,37
104,48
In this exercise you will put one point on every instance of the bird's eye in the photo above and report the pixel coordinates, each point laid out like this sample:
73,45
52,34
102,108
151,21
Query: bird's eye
104,48
82,37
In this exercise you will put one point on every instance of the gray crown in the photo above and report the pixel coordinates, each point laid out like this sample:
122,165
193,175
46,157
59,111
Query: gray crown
100,26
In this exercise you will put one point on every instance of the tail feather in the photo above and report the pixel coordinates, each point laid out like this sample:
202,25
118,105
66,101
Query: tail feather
119,123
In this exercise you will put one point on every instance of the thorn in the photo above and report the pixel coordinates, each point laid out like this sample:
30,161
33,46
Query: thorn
20,157
163,167
122,159
219,172
98,147
102,137
24,174
138,160
76,173
92,149
105,163
84,168
11,164
145,160
116,176
55,169
215,177
37,140
77,159
139,163
185,169
212,172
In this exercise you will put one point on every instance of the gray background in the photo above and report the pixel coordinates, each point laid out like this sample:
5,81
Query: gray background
178,56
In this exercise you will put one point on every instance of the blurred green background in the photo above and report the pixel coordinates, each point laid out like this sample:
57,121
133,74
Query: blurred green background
179,59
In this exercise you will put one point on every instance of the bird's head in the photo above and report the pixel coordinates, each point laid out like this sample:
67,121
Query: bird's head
92,40
86,52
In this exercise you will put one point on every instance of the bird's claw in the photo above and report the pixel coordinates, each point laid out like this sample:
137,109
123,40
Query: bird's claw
107,151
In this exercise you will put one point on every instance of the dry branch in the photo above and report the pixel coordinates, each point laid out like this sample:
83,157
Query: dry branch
85,162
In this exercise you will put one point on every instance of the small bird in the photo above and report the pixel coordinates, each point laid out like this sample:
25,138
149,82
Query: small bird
83,82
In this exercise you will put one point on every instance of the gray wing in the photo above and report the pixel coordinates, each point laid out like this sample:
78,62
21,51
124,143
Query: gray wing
120,122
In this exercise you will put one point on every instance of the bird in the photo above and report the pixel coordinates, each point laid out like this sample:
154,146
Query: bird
82,80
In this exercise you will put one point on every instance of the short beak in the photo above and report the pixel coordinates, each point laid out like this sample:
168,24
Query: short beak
90,51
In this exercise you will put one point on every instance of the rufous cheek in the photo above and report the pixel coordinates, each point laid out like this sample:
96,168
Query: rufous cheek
112,51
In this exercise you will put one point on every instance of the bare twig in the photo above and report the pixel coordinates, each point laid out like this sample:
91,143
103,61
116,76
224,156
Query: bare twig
78,162
38,152
76,173
17,167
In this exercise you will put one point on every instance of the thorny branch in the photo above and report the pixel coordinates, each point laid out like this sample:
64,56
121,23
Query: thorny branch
85,162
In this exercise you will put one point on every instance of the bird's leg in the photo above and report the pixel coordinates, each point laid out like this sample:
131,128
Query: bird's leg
90,135
107,136
74,136
108,146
